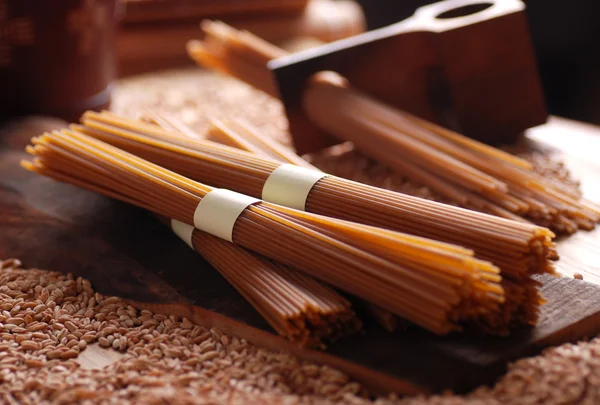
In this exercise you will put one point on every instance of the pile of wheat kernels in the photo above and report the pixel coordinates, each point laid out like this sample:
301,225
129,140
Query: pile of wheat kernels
47,319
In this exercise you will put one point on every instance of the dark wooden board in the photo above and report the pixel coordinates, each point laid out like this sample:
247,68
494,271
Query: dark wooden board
126,252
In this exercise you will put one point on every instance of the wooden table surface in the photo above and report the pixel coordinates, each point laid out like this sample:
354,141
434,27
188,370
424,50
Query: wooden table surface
125,251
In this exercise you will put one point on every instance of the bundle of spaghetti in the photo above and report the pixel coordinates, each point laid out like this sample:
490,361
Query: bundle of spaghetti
460,169
238,135
402,140
519,249
436,285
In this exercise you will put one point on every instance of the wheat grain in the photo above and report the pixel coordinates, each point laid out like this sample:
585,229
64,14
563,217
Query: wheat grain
193,365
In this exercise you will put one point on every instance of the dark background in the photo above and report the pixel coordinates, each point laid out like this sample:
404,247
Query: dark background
566,37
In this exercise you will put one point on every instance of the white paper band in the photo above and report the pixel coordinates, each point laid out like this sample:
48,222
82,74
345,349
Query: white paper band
289,185
184,231
219,209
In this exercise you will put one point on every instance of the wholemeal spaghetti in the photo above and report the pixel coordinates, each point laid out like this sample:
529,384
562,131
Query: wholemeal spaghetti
519,249
438,286
462,170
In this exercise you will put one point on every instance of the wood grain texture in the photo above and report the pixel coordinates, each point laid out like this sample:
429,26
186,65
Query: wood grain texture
125,251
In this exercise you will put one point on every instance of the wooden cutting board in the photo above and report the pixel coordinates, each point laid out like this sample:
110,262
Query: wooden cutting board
126,252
